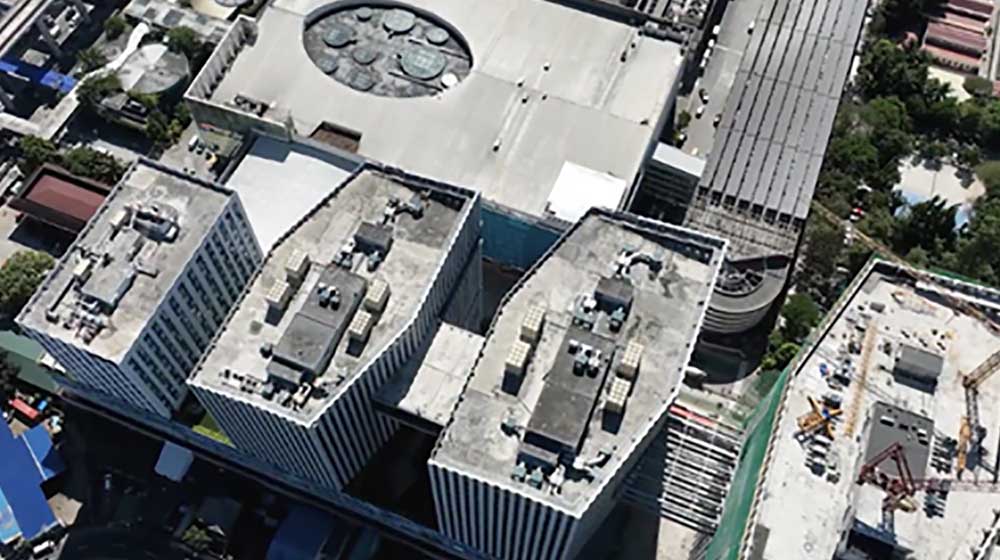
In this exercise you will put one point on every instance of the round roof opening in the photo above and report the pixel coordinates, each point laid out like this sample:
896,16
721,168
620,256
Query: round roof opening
386,48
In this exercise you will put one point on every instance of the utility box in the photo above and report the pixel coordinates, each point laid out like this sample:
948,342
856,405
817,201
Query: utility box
297,266
517,359
617,396
279,295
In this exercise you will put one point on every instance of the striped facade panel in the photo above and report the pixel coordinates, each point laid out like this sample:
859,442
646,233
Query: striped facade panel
496,521
94,374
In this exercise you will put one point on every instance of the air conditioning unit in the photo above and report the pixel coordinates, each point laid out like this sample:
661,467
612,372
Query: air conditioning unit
279,295
531,326
617,396
361,327
377,296
297,266
517,358
631,359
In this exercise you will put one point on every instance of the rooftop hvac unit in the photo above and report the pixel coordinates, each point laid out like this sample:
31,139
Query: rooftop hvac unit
377,296
531,326
82,270
361,327
631,358
279,295
297,266
617,396
302,395
517,358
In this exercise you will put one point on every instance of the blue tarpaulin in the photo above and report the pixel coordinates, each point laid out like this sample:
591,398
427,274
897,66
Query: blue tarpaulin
301,535
20,483
39,443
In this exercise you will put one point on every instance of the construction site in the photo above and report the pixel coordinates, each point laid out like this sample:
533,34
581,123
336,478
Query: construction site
880,440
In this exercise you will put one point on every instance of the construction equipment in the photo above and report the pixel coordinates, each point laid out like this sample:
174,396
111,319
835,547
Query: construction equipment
862,382
972,432
820,417
901,488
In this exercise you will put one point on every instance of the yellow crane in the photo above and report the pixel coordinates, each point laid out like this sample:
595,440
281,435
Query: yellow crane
820,417
971,433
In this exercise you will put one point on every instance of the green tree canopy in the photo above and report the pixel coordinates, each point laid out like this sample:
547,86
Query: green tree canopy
114,26
976,85
36,151
989,173
184,40
95,89
20,276
800,314
87,162
929,225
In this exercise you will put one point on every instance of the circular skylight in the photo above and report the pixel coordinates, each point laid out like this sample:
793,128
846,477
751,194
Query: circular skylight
386,48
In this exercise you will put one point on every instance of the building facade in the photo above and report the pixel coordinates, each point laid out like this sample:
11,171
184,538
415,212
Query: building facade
321,426
135,302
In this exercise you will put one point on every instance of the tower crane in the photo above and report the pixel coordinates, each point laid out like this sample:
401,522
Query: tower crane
971,433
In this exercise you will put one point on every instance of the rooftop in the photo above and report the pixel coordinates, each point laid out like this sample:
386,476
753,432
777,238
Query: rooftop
334,292
574,319
106,287
306,175
57,197
548,85
802,512
433,380
765,162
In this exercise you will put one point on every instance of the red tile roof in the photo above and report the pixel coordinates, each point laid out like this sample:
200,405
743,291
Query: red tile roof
955,38
54,196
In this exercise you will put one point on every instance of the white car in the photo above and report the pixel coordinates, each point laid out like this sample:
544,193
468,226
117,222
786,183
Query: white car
699,111
750,27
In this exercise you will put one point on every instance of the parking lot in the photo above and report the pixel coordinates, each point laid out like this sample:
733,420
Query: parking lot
719,75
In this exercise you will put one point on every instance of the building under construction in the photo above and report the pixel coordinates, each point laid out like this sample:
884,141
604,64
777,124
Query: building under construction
879,440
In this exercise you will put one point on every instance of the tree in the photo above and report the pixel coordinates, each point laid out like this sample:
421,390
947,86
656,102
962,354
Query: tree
114,26
683,120
989,173
8,375
184,40
197,538
929,225
87,162
36,151
20,276
95,89
91,59
800,314
978,86
887,70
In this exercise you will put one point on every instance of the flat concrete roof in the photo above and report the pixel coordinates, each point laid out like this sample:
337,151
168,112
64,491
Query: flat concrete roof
803,514
197,204
281,182
549,85
431,384
665,318
235,359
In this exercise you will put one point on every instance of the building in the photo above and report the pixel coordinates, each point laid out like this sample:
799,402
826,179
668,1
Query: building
805,495
344,299
511,97
133,304
57,198
29,461
573,381
762,169
957,34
